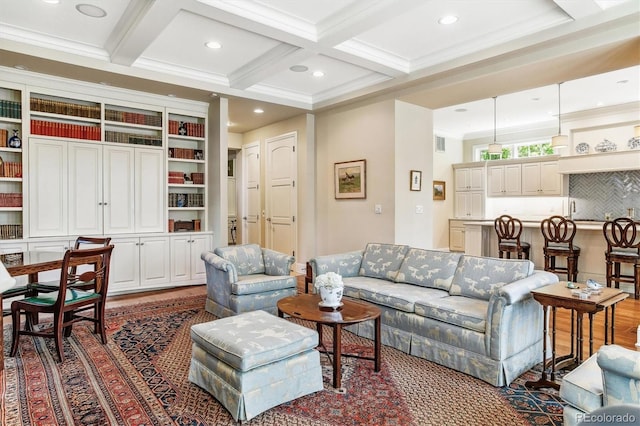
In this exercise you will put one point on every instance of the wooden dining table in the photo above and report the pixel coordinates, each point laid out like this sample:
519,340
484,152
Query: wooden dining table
29,263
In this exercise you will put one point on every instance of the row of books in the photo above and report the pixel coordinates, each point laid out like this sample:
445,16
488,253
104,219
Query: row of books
186,200
10,232
185,128
10,169
181,178
186,153
184,225
123,137
12,199
133,118
65,130
4,137
10,109
65,108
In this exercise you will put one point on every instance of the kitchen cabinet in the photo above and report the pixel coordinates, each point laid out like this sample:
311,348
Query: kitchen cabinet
541,178
456,235
186,265
469,179
504,180
469,205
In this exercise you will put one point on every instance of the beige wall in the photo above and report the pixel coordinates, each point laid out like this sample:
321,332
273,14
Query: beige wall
356,133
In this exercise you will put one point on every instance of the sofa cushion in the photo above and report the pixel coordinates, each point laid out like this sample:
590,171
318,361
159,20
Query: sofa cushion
582,387
480,277
466,312
382,260
428,268
246,258
399,296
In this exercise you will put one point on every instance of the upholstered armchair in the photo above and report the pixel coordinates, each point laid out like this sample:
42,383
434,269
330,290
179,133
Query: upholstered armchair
609,377
246,278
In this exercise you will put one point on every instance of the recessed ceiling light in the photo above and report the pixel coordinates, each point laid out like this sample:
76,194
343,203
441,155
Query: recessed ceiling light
171,95
20,67
104,83
460,110
622,81
51,1
91,10
230,123
448,20
258,110
213,45
318,74
298,68
600,103
214,95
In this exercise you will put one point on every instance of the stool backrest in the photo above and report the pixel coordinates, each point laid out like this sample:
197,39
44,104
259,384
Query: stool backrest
622,233
508,228
558,230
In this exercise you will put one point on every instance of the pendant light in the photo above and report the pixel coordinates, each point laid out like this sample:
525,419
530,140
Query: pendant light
560,140
495,147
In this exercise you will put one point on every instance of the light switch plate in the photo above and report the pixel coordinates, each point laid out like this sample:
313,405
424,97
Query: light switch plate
419,209
377,209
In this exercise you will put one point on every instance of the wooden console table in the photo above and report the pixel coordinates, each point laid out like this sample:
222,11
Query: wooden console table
559,296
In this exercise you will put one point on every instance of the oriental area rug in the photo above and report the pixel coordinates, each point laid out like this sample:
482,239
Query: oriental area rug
140,377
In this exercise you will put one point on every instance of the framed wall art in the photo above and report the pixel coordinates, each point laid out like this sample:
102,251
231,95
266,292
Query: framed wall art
415,180
350,179
439,190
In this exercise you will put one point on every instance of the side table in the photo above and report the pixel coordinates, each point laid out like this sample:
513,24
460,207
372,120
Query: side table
558,295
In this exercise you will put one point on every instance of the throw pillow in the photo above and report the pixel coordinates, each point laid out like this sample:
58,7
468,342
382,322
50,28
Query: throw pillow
246,258
428,268
382,260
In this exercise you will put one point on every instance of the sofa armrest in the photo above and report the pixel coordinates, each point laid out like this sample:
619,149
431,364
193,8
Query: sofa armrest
219,266
617,361
344,264
276,263
521,289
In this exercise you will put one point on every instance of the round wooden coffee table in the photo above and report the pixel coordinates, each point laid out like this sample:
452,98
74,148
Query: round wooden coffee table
305,306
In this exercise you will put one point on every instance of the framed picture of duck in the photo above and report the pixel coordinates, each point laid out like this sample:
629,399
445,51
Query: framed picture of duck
350,179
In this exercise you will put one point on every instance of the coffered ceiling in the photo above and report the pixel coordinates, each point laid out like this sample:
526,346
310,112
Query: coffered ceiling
364,48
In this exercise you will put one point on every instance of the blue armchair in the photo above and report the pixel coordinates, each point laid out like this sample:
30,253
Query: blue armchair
246,278
609,377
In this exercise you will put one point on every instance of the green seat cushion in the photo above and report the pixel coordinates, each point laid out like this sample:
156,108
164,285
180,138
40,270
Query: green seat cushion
71,297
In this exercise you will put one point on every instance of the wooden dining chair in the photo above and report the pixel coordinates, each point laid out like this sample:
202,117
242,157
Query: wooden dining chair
81,243
558,233
508,229
67,303
623,246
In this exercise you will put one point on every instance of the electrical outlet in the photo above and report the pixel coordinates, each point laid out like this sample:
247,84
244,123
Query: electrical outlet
419,209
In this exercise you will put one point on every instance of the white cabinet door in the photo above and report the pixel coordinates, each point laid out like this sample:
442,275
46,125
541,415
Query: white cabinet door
58,246
155,261
85,189
495,181
531,179
456,238
476,205
199,244
186,264
48,192
476,175
150,187
125,264
462,205
118,184
550,178
181,257
462,179
512,179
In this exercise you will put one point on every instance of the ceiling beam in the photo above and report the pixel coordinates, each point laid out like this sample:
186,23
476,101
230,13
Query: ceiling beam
141,23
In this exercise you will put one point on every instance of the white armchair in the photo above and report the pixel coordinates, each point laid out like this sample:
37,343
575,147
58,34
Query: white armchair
246,278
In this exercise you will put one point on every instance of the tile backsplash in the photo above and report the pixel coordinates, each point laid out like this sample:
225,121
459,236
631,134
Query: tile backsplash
606,193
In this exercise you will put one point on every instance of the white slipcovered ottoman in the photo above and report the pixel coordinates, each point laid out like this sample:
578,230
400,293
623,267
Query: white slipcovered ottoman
254,361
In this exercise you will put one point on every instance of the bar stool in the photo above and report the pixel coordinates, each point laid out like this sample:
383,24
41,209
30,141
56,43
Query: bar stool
508,230
623,246
558,233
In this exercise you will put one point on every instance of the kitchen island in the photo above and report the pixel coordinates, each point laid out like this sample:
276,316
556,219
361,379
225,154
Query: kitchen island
481,240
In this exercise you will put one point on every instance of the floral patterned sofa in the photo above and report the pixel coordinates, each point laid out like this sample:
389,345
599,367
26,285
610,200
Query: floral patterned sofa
473,314
246,278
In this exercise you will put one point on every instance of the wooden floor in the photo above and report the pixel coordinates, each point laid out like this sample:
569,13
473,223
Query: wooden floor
627,317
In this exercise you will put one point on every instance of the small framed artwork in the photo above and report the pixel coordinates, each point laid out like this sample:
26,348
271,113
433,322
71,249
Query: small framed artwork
415,183
439,190
350,179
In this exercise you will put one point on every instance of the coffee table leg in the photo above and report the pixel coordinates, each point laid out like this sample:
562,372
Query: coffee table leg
337,355
377,345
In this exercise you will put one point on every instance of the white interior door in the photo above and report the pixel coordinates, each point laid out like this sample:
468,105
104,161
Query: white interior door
251,193
280,194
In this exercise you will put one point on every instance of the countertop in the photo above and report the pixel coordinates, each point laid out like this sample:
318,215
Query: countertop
586,225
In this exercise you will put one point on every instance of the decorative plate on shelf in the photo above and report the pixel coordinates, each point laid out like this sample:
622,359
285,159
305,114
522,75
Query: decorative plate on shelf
605,146
582,148
634,143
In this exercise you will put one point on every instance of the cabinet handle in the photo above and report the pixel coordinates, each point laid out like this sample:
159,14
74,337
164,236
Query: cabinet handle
99,204
104,204
141,244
